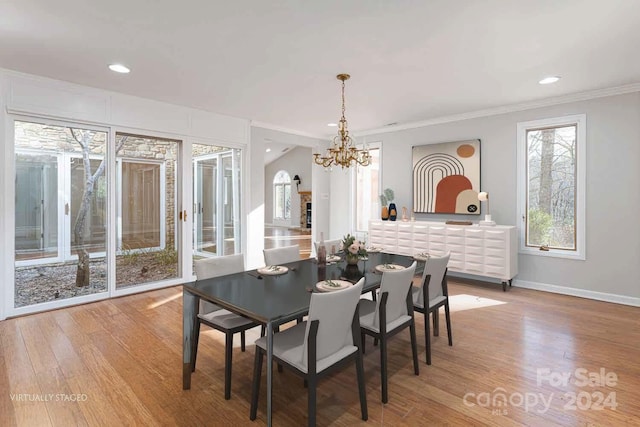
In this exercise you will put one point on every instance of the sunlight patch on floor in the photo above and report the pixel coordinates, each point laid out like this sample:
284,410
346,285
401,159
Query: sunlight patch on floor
468,302
164,301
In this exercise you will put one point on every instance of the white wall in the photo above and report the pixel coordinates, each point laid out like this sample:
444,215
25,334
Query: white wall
612,268
296,161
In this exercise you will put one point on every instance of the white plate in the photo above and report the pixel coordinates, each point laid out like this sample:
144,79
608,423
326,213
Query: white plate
373,249
422,256
333,258
325,285
389,267
273,270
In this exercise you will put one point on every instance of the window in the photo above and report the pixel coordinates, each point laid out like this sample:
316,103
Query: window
367,190
551,180
282,196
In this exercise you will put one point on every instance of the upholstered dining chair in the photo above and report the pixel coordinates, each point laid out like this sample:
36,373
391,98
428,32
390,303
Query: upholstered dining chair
431,295
283,255
390,314
324,342
218,318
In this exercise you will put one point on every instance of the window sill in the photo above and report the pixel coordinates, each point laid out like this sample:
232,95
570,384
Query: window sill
576,256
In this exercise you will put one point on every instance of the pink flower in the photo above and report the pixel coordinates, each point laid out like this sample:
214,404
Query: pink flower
354,248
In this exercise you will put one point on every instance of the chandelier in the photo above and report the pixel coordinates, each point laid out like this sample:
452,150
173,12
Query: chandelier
343,151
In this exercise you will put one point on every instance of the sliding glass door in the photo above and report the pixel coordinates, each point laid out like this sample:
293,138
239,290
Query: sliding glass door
101,212
146,209
216,200
60,212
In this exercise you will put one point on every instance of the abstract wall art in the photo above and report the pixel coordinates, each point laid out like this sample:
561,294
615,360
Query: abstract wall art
446,178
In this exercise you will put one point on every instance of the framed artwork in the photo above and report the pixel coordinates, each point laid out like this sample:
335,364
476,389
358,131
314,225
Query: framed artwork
446,178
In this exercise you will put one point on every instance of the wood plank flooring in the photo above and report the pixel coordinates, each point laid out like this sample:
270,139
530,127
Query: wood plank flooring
277,237
118,362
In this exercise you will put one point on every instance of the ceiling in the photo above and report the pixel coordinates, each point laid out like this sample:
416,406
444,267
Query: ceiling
274,150
275,62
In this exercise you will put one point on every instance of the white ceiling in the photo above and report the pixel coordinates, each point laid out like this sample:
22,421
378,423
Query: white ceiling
275,61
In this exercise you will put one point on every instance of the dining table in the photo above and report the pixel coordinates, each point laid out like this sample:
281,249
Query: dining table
274,297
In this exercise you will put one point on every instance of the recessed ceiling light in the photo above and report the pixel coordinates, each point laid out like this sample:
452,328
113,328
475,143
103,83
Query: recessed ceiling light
549,80
119,68
268,150
332,125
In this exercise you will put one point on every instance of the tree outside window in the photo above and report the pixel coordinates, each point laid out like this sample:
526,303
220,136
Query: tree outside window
552,185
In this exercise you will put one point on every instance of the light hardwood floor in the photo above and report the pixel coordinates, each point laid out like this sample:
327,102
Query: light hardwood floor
277,237
122,358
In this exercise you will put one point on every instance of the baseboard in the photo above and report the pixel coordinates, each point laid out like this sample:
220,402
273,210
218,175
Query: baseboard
564,290
583,293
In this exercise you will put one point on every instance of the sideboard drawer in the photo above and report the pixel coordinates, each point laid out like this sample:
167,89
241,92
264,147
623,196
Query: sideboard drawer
474,250
455,240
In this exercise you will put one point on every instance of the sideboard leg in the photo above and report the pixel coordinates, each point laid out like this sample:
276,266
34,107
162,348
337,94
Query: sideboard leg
504,286
510,282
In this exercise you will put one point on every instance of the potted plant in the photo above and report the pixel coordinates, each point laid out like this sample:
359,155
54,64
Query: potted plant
390,212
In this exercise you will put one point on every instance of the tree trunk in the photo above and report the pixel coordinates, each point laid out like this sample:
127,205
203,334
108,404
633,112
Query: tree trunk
83,274
546,169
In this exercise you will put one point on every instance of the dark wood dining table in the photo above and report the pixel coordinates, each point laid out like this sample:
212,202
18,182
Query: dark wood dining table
273,299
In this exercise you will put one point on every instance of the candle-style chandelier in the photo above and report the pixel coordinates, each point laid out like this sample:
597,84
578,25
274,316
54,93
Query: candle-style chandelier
343,151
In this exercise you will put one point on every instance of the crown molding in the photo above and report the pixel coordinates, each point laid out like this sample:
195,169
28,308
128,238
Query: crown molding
546,102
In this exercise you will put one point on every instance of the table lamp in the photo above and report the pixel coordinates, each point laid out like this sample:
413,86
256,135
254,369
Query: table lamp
483,196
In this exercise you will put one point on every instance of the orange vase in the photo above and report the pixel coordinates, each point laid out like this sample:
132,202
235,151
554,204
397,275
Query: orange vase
385,213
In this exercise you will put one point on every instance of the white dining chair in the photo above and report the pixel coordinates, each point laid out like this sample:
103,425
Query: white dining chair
390,314
218,318
434,280
316,347
283,255
336,244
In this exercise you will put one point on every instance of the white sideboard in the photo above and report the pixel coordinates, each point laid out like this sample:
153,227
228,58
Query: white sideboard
483,251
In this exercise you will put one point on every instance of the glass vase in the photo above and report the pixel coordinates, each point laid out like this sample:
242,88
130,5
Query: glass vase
352,259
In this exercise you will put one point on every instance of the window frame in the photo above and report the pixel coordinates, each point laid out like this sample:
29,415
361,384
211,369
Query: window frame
578,120
281,216
377,145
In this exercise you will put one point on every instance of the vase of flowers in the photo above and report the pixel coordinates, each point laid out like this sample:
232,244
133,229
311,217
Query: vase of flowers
352,273
353,249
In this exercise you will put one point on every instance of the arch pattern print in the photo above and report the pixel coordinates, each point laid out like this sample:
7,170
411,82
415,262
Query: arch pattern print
446,177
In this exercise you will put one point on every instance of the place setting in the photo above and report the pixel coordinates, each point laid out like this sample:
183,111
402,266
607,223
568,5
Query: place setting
273,270
421,256
383,268
331,285
333,258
